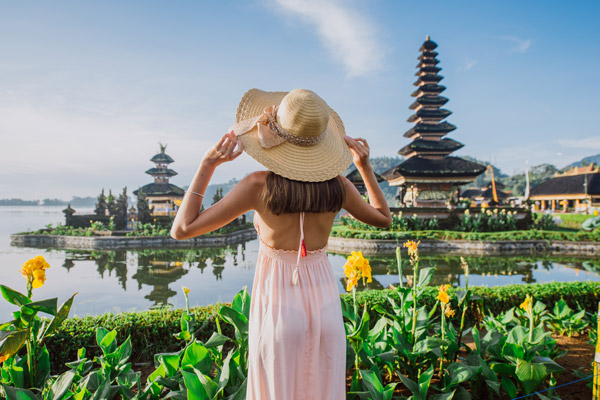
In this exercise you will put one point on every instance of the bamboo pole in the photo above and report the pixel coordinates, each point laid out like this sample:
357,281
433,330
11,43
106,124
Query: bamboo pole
596,388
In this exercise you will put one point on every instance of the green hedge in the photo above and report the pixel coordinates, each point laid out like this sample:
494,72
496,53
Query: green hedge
501,298
532,234
152,331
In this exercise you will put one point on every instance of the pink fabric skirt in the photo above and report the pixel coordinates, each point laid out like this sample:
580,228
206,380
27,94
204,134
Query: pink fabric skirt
297,342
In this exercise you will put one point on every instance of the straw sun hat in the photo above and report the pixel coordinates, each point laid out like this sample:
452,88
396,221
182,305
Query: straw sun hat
295,135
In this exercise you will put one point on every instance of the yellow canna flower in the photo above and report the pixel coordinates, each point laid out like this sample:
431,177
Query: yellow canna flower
449,312
34,271
443,294
185,290
352,282
527,305
357,267
413,250
39,277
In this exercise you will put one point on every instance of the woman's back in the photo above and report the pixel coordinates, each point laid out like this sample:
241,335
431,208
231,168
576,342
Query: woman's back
283,231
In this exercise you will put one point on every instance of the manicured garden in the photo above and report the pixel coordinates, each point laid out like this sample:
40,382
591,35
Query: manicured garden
483,225
410,342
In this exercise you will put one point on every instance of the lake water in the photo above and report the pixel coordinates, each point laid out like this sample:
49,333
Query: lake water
125,280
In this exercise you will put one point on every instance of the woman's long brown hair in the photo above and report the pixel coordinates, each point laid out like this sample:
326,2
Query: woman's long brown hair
283,195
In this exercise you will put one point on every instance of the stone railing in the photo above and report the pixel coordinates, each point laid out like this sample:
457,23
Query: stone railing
499,247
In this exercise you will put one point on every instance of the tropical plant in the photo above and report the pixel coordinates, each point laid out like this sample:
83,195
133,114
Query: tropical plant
31,370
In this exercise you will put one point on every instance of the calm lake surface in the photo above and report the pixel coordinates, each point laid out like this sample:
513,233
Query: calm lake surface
126,280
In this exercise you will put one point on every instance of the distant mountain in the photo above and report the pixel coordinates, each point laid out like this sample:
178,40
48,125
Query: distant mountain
18,202
537,174
585,161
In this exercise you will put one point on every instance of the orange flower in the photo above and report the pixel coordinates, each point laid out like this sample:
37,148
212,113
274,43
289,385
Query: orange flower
443,294
449,312
413,250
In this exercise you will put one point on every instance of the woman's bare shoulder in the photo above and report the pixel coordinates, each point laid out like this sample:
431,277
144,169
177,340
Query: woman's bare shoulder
255,179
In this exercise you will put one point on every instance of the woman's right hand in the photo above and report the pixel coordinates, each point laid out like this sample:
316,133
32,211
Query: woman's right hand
360,151
224,151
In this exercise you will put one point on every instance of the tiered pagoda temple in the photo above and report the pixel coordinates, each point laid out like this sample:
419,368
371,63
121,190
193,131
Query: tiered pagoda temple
163,197
430,176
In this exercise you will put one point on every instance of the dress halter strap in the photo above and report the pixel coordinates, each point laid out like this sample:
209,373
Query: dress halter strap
301,250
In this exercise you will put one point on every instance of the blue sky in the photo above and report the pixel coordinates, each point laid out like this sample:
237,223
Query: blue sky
88,89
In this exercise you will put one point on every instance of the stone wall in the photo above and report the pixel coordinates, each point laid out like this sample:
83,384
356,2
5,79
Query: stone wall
131,242
500,247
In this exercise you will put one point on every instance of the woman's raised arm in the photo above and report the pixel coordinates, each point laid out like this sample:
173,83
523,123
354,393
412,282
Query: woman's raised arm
377,211
189,222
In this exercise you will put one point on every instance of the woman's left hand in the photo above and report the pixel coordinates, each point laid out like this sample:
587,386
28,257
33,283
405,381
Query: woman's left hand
224,151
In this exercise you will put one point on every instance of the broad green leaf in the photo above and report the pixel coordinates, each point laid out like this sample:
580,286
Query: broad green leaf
195,388
503,368
197,356
444,396
425,276
13,393
11,342
43,367
239,394
47,306
238,320
27,315
531,375
411,385
224,374
61,316
551,366
424,381
514,351
462,394
373,384
216,340
241,302
14,297
494,385
459,373
379,325
62,384
170,361
517,335
508,385
362,331
106,340
121,354
388,392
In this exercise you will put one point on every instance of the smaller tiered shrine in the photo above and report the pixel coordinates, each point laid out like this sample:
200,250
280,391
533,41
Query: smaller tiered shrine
430,176
163,197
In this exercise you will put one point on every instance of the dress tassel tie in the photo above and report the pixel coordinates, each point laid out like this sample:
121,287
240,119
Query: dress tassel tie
301,251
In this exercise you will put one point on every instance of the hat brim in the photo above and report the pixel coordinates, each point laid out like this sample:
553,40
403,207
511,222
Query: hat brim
317,163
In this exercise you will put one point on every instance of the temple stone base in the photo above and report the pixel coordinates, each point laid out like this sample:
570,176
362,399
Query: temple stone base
130,242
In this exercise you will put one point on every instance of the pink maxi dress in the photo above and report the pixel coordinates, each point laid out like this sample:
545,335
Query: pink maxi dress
296,337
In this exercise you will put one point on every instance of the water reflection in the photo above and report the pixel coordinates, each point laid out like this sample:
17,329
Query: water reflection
125,280
490,271
157,268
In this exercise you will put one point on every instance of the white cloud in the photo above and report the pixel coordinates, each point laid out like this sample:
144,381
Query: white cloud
348,35
469,63
587,143
521,45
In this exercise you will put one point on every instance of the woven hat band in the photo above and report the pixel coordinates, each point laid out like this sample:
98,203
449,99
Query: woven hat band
295,139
